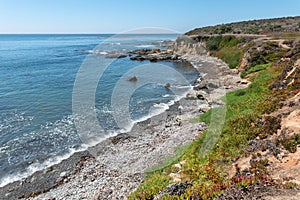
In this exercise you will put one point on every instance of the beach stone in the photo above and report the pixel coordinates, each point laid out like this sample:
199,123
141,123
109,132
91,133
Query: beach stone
235,71
63,174
199,95
178,120
244,82
202,85
204,108
213,84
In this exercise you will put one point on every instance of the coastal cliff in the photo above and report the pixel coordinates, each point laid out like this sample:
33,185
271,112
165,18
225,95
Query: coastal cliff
185,45
243,111
258,152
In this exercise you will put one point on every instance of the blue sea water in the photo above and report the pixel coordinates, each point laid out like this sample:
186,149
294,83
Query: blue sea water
37,76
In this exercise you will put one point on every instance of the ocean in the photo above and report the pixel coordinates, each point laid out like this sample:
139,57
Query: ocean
59,94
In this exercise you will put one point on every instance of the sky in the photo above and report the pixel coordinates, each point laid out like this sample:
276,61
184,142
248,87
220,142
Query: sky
117,16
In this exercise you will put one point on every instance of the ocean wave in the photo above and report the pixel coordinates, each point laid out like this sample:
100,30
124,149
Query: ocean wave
156,109
101,52
31,169
145,46
181,86
161,105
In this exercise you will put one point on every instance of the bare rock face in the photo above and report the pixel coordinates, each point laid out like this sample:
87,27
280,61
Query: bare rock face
187,45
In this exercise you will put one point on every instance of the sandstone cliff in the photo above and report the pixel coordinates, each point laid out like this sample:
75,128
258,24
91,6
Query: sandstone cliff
185,45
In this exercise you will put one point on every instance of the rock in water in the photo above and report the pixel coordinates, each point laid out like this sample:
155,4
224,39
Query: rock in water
116,56
168,85
133,79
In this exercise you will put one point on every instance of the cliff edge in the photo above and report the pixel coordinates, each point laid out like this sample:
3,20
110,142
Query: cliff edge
258,152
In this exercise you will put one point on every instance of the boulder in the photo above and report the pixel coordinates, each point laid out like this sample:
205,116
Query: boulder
193,95
213,84
133,79
201,85
167,86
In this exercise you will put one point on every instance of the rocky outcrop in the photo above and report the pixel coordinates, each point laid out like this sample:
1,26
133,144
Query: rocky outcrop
118,55
154,55
185,45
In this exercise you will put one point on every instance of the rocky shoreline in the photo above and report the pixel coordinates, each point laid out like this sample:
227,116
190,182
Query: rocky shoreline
115,167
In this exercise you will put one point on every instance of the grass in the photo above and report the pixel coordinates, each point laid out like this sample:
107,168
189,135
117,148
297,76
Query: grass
256,68
154,183
244,109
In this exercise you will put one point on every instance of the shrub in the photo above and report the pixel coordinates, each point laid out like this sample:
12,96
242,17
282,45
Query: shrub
231,56
213,43
289,143
230,41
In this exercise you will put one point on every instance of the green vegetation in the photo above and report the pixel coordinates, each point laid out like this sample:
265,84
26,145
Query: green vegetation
223,29
226,48
217,42
231,56
289,143
245,109
255,69
154,183
264,26
247,118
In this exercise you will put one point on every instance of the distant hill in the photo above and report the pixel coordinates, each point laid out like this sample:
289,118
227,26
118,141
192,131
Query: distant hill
263,26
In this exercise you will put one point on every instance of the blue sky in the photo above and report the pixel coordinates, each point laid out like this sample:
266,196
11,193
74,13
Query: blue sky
115,16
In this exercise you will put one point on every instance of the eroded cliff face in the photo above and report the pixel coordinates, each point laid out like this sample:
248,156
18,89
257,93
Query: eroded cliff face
185,45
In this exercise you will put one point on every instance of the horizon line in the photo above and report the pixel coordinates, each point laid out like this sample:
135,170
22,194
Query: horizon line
86,33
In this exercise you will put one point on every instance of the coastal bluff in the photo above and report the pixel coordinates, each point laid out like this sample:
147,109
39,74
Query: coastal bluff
257,155
255,78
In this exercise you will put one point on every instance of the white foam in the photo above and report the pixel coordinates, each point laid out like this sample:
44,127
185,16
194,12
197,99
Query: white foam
31,169
39,166
154,111
145,46
161,105
97,52
181,86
